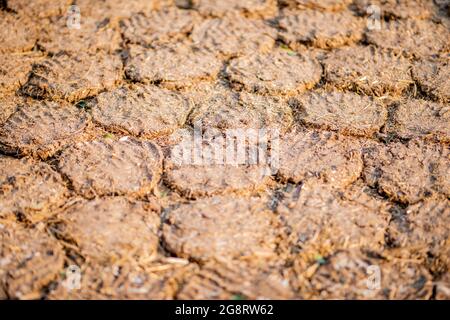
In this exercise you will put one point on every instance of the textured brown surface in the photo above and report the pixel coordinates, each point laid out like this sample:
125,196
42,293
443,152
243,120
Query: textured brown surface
208,169
326,156
93,35
412,37
403,9
236,280
320,220
17,33
14,69
146,111
432,77
408,172
320,29
98,230
419,118
345,112
329,5
39,9
172,66
426,226
129,167
208,229
158,26
30,259
368,70
73,76
276,72
233,35
344,166
249,8
41,128
28,188
217,107
345,276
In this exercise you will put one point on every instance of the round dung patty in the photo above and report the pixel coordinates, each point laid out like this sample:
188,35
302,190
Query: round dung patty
30,260
412,37
73,76
432,76
217,228
111,229
234,35
275,72
156,27
129,167
319,219
322,155
29,188
17,33
41,128
14,69
146,111
367,69
348,113
408,172
320,29
174,66
354,274
420,118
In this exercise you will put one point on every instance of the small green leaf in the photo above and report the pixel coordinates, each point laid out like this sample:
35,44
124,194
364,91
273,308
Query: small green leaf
238,297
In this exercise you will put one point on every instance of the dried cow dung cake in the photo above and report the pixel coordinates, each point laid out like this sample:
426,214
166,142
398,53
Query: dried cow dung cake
116,9
275,72
329,157
29,189
426,227
84,35
39,9
354,274
433,77
17,33
146,111
221,108
210,165
319,219
111,229
14,69
108,167
403,9
156,27
367,69
411,37
30,260
173,66
73,76
408,172
348,113
221,228
125,281
320,29
8,104
420,118
233,35
41,128
328,5
225,280
250,8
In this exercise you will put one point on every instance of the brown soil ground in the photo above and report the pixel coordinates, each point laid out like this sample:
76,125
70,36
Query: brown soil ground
92,120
